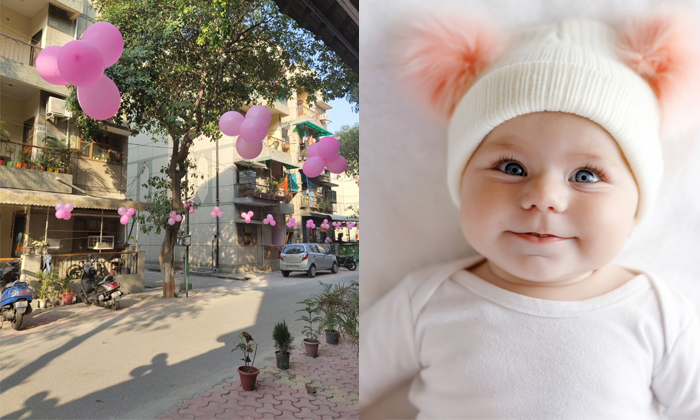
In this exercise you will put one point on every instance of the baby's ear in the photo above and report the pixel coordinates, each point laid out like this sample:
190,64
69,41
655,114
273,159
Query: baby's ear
664,49
442,55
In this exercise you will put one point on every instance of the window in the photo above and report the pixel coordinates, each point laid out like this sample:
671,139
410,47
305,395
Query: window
293,249
107,148
247,234
86,229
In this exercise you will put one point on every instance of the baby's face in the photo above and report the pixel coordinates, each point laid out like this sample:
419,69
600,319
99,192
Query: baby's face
529,175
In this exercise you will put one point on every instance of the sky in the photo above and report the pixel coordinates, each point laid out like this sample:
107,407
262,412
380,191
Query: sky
341,114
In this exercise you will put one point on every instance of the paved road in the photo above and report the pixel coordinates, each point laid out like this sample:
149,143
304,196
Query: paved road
87,362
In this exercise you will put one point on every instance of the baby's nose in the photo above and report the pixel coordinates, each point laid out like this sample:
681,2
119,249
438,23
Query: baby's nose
544,192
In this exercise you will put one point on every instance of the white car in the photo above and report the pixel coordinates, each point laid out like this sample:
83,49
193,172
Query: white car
306,257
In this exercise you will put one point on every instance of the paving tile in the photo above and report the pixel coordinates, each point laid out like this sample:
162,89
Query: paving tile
286,405
249,412
268,408
305,413
267,398
305,403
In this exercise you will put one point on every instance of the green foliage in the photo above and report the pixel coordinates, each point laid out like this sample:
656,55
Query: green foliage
4,134
282,337
50,285
309,331
350,148
247,346
340,305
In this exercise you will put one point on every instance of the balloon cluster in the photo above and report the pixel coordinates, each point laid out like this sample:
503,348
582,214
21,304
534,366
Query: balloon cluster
337,225
126,214
292,222
324,154
325,224
63,211
174,217
350,224
269,220
310,224
189,204
216,212
247,216
251,129
82,63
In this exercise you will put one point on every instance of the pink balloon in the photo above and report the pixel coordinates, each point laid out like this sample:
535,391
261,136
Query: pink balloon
59,206
124,219
107,39
191,210
337,165
101,100
259,111
60,214
47,67
66,216
68,207
80,63
217,209
121,211
171,221
314,166
178,218
254,129
273,223
328,147
212,214
313,150
130,212
230,123
248,150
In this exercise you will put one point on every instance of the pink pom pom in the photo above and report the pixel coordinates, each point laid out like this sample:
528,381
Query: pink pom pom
191,210
124,219
443,55
663,49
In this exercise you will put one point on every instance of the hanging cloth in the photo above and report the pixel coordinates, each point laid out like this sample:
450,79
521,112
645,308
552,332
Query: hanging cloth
293,183
285,184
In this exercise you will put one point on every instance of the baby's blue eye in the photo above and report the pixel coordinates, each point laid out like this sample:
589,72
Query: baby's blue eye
585,176
512,168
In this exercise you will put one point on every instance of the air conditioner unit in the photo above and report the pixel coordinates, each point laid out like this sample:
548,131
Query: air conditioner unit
56,107
94,242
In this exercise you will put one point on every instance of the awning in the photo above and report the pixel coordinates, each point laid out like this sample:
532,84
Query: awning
321,130
48,199
335,217
286,165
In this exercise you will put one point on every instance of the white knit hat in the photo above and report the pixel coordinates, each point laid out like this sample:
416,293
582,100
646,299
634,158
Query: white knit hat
578,66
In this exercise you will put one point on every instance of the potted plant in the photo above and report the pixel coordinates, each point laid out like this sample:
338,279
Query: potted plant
283,344
247,372
311,341
330,303
67,296
43,289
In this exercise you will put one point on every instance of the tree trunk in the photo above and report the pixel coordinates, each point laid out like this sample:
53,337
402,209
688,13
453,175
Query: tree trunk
167,257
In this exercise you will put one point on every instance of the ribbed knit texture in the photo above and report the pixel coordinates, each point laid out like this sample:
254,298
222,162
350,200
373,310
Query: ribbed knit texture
567,66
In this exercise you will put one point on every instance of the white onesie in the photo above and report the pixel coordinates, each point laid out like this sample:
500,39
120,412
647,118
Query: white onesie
478,351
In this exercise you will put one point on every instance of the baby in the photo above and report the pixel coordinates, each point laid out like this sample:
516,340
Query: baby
554,159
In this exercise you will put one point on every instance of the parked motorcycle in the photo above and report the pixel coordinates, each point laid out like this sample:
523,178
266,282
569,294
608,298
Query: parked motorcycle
102,293
16,296
348,262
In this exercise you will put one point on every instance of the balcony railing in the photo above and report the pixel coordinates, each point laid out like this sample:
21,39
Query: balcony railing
278,143
303,111
27,156
261,192
316,202
18,50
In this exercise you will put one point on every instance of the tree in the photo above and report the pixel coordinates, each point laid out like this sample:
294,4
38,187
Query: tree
350,147
186,62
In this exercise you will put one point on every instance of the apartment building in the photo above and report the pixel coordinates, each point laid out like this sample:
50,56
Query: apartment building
44,160
272,183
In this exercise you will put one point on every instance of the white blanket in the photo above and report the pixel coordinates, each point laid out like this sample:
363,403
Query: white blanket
408,218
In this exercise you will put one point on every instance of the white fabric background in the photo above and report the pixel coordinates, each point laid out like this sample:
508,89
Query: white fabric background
408,219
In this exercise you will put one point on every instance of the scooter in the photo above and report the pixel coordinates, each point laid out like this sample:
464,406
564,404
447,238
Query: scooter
16,296
102,293
347,261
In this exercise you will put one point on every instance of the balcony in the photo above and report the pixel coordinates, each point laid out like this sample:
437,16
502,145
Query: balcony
259,195
316,202
17,50
35,168
307,114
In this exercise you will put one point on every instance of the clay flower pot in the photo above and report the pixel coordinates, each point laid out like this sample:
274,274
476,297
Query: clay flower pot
249,376
311,347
